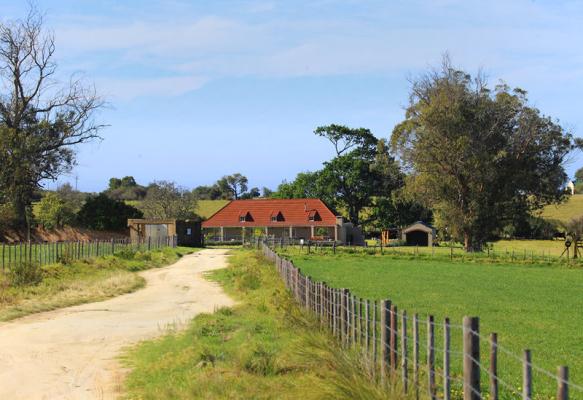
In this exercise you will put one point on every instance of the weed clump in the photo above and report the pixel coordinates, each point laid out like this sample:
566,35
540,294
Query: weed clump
262,361
26,273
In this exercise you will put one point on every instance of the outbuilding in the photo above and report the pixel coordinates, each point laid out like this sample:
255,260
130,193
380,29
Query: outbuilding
418,234
186,231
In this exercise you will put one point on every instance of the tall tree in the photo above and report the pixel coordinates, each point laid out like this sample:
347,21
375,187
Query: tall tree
233,186
362,170
306,185
41,121
476,154
167,200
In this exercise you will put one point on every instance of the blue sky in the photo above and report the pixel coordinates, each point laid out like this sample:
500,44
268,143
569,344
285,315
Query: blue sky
201,89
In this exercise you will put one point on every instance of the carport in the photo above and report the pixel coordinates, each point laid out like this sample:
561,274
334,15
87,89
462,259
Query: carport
419,234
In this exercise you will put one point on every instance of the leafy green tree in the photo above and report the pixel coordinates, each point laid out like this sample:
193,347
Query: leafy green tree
54,211
207,192
103,213
232,186
398,211
579,175
251,193
354,179
125,188
41,121
306,185
476,154
168,200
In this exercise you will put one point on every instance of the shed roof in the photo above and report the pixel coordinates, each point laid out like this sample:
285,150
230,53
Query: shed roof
295,212
419,226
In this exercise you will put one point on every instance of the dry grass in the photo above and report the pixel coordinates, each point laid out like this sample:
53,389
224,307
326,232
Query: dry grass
81,282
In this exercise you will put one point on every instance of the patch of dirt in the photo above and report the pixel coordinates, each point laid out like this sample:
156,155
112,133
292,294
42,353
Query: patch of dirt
62,234
72,353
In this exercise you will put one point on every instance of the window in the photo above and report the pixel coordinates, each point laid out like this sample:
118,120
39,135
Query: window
274,218
314,216
241,218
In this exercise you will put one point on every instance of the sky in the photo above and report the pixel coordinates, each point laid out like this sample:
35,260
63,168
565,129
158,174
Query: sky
200,89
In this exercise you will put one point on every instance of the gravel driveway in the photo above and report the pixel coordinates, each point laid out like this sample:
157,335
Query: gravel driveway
71,353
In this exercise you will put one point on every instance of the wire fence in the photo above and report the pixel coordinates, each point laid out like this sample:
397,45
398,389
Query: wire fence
17,254
496,255
417,351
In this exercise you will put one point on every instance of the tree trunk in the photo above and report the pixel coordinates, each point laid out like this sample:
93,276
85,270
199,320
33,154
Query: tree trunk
471,244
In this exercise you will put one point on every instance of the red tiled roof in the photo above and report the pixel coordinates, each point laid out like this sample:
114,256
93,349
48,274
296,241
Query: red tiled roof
295,212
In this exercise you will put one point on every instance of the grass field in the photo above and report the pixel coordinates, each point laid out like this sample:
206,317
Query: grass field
534,306
264,348
80,282
564,212
206,208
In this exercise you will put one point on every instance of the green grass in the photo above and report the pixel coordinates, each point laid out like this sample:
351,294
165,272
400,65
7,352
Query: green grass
502,250
206,208
572,208
264,348
80,282
534,306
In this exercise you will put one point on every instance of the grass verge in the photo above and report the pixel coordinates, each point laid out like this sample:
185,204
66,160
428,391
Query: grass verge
85,281
264,348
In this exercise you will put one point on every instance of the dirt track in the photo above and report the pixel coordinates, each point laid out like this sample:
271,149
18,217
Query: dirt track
71,353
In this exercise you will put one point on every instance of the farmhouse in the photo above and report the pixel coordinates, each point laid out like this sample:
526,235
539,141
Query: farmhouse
419,234
279,218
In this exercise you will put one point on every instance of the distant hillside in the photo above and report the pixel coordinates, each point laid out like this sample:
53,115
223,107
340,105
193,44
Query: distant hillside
572,208
206,208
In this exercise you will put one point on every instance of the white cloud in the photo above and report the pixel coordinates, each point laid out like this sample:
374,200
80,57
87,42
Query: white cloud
379,39
128,89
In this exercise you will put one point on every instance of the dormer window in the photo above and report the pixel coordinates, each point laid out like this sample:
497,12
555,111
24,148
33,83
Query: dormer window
314,216
245,217
276,216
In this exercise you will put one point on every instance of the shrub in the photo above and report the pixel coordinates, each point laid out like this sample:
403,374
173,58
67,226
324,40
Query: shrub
127,253
102,213
54,212
26,273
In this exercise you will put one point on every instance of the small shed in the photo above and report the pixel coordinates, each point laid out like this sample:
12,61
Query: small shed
418,234
187,231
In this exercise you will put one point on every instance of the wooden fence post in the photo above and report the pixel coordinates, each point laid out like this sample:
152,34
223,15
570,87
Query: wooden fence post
404,367
393,339
471,330
562,383
416,354
493,366
527,376
367,325
353,316
385,337
431,357
446,360
341,312
346,315
374,335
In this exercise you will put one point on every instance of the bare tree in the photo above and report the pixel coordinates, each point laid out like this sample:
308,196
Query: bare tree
41,120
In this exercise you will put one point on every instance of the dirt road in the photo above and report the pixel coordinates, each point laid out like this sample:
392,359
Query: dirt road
71,353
